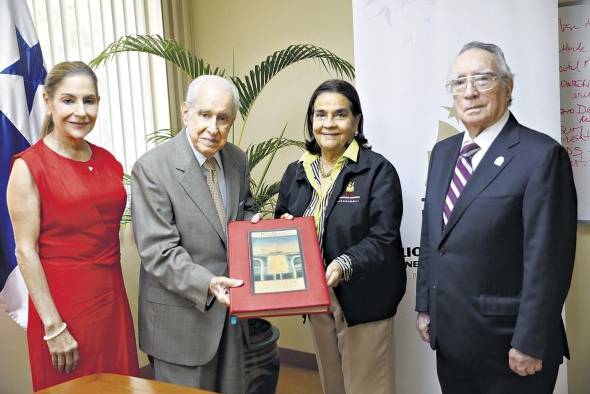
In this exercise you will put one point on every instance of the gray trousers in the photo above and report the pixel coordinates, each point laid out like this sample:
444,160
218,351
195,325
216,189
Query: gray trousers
223,374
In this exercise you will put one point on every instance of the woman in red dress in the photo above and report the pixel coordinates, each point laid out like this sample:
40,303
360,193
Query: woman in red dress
66,197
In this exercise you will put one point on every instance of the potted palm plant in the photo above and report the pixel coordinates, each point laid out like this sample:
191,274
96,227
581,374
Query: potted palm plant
261,356
249,86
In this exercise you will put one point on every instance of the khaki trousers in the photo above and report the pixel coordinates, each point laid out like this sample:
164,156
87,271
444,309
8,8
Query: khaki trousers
353,360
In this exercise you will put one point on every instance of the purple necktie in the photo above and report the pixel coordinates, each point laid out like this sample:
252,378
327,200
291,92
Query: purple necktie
463,171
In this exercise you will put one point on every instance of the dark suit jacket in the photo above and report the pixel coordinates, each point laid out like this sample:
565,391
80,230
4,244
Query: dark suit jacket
182,246
498,273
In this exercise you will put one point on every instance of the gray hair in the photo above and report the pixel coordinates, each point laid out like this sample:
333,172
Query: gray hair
197,83
495,50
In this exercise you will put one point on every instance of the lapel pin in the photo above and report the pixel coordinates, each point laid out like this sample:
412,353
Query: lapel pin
499,160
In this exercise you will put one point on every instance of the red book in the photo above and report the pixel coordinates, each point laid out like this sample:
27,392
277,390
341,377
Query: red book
281,265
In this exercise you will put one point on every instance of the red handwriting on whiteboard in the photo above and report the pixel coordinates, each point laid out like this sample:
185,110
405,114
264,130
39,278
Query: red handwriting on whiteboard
575,134
579,47
574,66
577,157
575,83
567,26
566,111
580,95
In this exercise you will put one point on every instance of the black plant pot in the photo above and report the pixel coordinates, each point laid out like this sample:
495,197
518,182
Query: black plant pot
261,358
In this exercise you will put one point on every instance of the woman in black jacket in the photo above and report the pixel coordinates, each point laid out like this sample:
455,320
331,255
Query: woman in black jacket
354,194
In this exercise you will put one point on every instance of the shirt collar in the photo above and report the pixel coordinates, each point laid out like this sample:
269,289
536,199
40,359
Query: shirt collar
487,136
351,153
199,156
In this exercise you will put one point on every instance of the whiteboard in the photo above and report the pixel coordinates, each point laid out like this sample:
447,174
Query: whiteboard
574,83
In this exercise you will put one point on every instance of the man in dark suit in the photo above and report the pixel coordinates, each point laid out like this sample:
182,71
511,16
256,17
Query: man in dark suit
183,194
498,241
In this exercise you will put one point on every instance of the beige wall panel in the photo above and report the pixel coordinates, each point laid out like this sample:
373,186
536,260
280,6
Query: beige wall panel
15,373
577,313
130,263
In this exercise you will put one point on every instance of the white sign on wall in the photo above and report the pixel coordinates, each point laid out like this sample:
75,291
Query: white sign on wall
403,53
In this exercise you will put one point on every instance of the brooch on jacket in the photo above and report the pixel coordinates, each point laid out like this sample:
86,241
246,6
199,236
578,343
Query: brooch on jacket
349,195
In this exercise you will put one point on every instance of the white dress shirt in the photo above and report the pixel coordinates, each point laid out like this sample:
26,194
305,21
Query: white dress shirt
485,139
220,174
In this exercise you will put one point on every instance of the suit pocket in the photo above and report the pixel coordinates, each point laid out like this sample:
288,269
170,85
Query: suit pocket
498,306
165,297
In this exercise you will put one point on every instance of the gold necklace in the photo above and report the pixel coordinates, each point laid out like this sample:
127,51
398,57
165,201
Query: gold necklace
323,173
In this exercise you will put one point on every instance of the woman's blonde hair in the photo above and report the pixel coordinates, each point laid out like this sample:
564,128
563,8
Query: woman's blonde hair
55,77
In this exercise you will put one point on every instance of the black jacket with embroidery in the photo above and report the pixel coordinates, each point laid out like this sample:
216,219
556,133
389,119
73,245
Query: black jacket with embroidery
363,220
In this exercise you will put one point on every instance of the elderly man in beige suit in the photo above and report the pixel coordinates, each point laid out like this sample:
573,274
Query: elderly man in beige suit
184,192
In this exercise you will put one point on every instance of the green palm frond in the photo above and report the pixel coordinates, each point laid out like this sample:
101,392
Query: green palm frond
161,135
263,194
262,73
273,152
249,88
127,179
126,218
258,152
251,85
167,49
264,197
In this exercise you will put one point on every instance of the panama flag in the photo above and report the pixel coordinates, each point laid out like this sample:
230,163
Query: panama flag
22,75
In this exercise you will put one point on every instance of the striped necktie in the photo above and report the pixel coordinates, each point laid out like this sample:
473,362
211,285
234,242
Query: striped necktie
463,171
213,183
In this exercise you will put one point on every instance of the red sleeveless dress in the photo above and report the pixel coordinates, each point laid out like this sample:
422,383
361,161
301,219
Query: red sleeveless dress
81,206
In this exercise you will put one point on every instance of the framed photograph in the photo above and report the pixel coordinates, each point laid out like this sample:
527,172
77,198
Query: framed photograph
276,261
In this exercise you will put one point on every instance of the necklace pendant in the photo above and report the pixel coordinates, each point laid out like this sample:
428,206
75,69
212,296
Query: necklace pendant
90,168
324,173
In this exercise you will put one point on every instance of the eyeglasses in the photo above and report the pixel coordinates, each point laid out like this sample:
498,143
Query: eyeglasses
479,82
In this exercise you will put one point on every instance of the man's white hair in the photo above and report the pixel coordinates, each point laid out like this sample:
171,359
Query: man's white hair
197,83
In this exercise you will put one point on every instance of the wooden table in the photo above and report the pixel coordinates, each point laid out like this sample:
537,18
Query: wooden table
102,383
